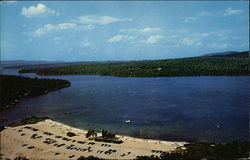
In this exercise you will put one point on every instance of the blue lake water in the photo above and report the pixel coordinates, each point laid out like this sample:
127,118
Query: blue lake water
206,108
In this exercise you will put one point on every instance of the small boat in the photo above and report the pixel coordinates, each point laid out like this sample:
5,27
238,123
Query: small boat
128,121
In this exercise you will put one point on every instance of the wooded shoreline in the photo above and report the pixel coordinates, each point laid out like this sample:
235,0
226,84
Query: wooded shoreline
14,88
198,66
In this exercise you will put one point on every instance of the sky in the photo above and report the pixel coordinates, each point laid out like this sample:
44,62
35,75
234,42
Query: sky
121,30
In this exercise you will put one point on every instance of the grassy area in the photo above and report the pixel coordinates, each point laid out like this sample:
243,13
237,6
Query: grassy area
14,88
108,140
199,66
31,120
106,136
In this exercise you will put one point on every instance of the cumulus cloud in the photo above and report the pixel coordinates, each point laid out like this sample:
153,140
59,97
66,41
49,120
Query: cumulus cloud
10,1
218,46
86,44
202,35
86,27
57,38
115,39
222,37
128,30
191,41
205,34
48,28
244,44
236,37
142,30
118,38
99,20
148,29
189,19
40,10
205,13
231,11
154,39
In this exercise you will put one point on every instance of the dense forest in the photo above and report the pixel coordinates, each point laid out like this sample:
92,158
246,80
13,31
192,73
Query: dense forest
197,66
13,88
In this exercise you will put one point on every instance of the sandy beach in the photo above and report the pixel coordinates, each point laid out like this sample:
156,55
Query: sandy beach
48,140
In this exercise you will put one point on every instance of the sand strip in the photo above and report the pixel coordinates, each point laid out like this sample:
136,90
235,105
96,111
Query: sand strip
48,140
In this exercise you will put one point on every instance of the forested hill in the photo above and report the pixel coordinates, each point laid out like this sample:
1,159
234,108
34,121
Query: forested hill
198,66
13,88
244,54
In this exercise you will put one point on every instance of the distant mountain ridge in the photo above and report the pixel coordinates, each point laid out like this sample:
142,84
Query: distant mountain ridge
16,63
243,54
44,64
22,62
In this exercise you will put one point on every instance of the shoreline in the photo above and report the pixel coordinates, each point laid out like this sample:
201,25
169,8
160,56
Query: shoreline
18,141
31,88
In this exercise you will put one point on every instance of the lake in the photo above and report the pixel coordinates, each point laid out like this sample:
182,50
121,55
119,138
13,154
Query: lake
206,108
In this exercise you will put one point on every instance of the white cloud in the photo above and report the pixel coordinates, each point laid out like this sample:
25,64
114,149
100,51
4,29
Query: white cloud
191,41
178,30
86,27
148,29
231,11
128,30
118,38
48,28
202,35
142,30
99,20
37,11
205,13
57,38
236,37
86,44
205,34
222,36
218,46
154,39
189,19
244,44
138,35
9,1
